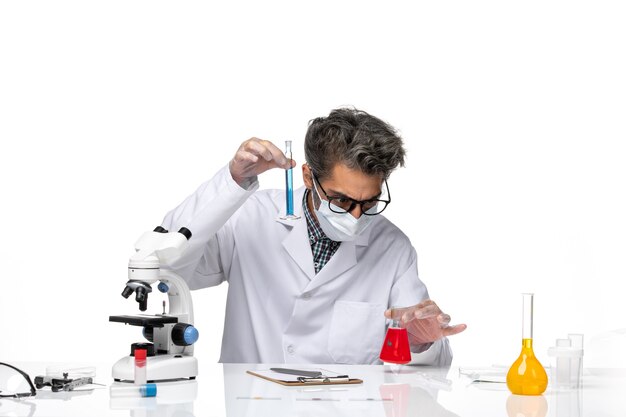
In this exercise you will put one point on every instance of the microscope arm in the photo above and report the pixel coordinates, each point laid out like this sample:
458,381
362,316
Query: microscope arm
178,294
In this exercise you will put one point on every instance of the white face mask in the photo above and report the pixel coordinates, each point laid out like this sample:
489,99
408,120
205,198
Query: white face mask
339,227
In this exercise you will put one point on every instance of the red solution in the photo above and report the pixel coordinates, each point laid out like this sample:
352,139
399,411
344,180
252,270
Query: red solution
396,399
396,346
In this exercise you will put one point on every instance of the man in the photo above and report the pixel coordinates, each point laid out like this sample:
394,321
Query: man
317,289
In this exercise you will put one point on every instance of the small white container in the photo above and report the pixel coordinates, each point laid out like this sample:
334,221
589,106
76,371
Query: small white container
567,362
132,390
141,372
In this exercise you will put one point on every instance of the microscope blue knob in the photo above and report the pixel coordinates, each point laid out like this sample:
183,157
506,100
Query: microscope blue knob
184,334
163,287
191,335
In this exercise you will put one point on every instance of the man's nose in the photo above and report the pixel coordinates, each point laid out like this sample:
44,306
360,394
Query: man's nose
356,212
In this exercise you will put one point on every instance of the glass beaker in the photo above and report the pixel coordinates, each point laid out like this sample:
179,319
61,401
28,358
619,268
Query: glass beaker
395,347
527,376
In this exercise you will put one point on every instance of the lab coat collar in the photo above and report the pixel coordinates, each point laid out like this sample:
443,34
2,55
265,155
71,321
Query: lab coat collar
298,195
297,245
341,261
299,249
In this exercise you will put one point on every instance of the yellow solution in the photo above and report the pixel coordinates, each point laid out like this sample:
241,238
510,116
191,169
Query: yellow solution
527,376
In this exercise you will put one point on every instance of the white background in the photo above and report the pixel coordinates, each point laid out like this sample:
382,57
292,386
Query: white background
513,115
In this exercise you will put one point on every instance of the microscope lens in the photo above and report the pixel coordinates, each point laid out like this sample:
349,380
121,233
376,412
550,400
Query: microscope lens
141,294
127,292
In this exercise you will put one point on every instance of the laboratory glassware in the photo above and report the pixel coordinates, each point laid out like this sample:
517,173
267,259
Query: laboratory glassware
141,373
289,185
566,362
395,347
124,390
527,376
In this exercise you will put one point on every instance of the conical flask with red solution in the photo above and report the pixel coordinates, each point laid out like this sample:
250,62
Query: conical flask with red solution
396,345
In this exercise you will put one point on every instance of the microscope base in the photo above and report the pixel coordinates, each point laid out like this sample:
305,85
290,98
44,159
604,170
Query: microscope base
166,367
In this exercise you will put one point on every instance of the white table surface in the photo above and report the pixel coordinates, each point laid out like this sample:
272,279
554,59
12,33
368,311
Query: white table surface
226,390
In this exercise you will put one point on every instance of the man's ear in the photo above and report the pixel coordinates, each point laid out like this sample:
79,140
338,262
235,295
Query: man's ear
307,176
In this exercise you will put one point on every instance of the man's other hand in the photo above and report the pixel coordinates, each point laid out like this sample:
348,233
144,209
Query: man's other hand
424,322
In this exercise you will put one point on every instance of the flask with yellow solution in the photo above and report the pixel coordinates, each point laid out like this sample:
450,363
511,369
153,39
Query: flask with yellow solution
527,376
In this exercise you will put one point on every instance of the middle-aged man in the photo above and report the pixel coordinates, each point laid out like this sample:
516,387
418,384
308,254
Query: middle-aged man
318,289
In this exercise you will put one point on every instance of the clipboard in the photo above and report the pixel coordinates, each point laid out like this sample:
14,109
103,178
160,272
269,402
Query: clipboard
329,378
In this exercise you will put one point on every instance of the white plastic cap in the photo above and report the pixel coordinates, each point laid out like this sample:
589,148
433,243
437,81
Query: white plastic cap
565,352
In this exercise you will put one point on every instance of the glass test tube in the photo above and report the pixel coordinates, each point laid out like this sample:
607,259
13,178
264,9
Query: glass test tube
141,372
289,185
145,390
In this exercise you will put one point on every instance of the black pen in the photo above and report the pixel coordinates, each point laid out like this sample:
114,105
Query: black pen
308,374
325,379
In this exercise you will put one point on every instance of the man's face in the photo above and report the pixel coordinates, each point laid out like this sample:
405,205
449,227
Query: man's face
345,182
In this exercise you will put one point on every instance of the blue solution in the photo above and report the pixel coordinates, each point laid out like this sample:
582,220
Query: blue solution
289,188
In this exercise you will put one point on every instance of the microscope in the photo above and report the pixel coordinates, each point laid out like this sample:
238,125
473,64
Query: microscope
171,336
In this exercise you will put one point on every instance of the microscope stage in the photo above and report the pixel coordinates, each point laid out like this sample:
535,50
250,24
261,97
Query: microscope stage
145,320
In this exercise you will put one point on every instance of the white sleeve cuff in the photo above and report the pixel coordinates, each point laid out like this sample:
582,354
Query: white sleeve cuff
249,183
438,354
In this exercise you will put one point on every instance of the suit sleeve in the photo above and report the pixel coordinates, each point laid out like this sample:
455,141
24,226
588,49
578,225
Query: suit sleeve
206,213
409,290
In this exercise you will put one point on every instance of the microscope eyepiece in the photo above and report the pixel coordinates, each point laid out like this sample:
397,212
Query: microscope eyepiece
185,232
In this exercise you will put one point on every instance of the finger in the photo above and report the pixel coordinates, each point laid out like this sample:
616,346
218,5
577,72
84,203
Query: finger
272,154
443,319
425,330
396,313
278,155
258,148
452,330
245,159
427,311
423,304
419,306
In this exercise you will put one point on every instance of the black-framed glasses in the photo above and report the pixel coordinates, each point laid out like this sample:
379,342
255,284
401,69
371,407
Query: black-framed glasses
342,204
15,383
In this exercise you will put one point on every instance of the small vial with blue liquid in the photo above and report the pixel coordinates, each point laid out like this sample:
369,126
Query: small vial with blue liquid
289,186
131,390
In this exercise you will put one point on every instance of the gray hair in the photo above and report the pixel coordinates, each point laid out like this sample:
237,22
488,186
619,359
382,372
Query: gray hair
354,138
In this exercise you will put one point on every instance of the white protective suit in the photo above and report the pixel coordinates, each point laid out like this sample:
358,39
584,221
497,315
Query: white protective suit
278,310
